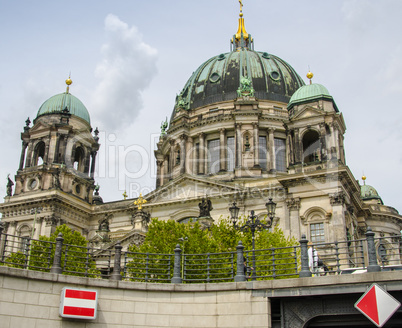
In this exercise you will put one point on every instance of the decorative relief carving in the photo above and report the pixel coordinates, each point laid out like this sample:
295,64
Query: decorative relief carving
293,203
337,198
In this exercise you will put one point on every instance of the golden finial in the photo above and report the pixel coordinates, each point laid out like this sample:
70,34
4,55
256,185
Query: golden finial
241,31
68,82
364,179
310,75
139,202
125,195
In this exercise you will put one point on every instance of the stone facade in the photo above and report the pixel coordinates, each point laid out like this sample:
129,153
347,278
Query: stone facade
280,139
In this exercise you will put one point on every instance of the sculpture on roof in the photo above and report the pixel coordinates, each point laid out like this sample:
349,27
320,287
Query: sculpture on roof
246,88
164,126
10,185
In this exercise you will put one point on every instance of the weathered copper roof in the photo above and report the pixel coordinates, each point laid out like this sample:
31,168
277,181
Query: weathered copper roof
218,79
58,103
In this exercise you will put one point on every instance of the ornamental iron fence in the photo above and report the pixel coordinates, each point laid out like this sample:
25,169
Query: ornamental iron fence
370,254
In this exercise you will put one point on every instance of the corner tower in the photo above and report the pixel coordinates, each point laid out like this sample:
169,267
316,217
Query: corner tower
58,151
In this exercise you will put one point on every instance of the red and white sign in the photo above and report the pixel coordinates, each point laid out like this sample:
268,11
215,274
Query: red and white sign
377,305
78,303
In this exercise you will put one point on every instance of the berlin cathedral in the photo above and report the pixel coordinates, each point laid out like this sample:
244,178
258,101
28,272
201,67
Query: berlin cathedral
244,129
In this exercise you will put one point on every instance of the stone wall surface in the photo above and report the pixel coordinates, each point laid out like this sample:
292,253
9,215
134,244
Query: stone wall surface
31,299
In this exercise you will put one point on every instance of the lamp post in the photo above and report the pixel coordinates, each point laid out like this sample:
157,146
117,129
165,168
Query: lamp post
183,239
34,211
253,224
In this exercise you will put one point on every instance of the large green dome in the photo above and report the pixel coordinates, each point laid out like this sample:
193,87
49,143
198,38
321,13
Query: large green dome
59,102
218,79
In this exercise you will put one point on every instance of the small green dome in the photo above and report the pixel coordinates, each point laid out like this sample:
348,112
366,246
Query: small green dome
59,102
309,93
368,193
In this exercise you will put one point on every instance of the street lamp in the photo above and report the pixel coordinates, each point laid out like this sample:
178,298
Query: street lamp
253,224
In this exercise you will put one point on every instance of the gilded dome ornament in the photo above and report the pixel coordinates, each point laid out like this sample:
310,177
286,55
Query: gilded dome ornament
68,82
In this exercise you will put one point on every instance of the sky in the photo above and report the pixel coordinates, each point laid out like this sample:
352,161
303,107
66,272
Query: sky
128,59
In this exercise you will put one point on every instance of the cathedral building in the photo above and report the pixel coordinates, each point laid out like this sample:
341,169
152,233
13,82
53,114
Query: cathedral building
245,128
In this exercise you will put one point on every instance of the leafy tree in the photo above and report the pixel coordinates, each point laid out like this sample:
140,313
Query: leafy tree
201,245
75,260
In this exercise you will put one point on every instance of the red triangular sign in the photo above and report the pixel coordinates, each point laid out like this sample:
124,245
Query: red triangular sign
368,305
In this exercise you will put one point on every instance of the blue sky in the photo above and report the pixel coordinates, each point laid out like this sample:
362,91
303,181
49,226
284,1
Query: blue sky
128,59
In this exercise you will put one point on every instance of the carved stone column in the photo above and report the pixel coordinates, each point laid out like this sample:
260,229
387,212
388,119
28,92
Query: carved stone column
190,157
29,154
172,157
256,145
222,150
22,158
166,165
183,153
93,155
57,149
201,152
38,228
337,201
272,157
159,176
323,143
298,147
294,216
238,145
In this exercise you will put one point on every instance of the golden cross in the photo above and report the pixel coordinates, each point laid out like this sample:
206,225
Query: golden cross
241,5
139,202
124,195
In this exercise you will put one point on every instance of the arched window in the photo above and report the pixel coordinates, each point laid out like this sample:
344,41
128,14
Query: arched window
79,158
311,146
39,154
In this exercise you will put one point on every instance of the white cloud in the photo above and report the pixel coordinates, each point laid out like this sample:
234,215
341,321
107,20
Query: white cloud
127,67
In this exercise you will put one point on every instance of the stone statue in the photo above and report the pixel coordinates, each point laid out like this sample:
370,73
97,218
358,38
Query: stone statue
10,185
245,88
97,187
205,207
164,126
104,224
56,181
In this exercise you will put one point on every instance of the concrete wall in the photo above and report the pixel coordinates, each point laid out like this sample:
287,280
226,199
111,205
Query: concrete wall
31,299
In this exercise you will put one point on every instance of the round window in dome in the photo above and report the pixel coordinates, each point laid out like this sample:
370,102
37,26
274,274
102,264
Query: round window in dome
275,75
265,55
221,57
214,77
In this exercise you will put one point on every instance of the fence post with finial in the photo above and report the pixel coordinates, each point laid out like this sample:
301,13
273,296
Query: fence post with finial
116,274
305,270
56,267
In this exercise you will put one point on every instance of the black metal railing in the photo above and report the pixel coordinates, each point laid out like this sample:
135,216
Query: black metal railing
351,256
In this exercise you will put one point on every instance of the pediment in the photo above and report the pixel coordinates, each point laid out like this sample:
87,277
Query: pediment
39,127
307,112
188,188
